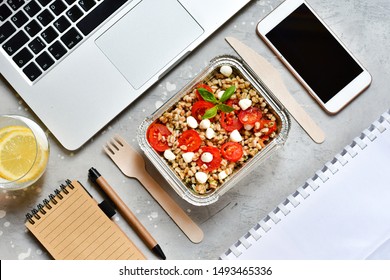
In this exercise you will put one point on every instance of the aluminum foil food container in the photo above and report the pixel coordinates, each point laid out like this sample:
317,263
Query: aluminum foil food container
193,176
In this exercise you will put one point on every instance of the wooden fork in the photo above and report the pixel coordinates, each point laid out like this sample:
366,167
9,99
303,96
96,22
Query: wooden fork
132,164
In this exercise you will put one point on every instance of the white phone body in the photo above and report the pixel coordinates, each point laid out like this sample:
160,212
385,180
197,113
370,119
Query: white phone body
314,54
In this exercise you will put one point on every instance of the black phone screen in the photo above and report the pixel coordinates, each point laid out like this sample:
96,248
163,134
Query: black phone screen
314,53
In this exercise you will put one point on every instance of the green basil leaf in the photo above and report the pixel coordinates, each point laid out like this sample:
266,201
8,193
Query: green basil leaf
225,108
207,96
210,113
228,93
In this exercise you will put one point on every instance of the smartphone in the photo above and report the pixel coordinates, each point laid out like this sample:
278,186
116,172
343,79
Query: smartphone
314,54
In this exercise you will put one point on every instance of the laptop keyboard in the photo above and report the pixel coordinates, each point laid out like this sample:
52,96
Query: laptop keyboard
36,34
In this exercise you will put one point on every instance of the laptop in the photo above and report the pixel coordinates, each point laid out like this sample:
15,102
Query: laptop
78,63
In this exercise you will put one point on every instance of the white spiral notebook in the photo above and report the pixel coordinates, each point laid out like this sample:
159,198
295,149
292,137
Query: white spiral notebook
342,212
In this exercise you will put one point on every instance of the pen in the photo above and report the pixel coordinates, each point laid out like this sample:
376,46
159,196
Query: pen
142,232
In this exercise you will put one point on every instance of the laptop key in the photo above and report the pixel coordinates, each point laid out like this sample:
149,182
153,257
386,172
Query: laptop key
87,4
15,4
57,7
104,10
70,2
74,13
71,38
22,57
49,34
5,12
16,42
45,17
32,71
57,50
44,60
19,18
61,24
37,45
32,28
6,30
32,8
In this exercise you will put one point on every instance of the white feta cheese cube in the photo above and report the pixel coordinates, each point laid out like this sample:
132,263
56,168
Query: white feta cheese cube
169,155
207,157
201,177
205,124
210,133
191,122
188,156
245,103
235,136
222,175
226,70
219,94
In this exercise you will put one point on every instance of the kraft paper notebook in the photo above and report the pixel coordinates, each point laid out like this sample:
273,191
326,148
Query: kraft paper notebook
342,212
71,225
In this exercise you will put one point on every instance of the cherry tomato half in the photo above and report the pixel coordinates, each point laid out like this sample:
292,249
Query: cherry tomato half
267,123
230,121
232,151
190,139
157,136
215,163
206,87
250,115
199,108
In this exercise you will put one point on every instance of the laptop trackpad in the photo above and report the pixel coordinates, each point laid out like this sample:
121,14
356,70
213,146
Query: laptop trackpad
148,37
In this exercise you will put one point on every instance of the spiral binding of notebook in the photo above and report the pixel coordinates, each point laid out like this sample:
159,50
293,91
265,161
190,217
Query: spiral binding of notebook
53,198
295,199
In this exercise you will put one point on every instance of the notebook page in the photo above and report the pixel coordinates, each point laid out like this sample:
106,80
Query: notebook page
346,217
76,228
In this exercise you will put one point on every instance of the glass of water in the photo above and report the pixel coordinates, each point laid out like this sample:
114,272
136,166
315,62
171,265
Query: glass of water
24,152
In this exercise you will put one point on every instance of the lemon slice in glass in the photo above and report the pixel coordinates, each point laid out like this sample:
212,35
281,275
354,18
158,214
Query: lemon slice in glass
21,159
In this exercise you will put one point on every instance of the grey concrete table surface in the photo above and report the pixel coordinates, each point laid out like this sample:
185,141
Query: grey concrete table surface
364,28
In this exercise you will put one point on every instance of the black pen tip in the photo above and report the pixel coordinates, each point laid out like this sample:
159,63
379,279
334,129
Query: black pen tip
93,174
157,249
